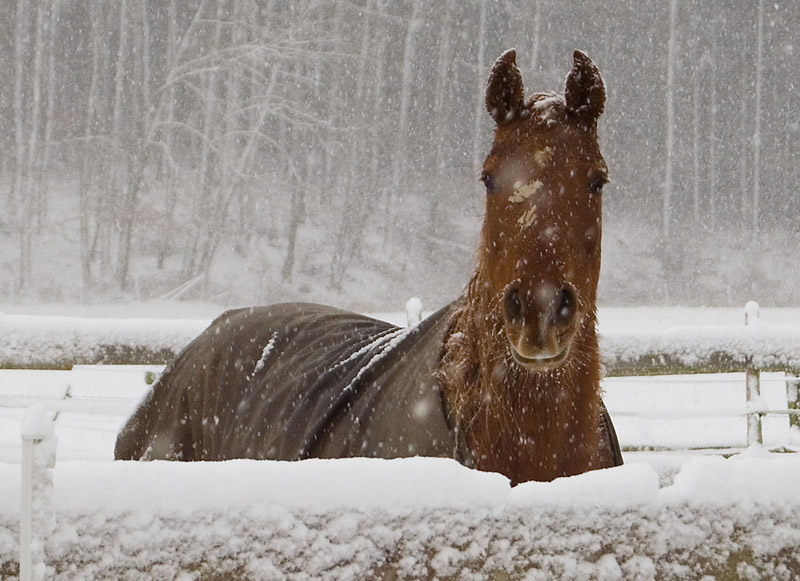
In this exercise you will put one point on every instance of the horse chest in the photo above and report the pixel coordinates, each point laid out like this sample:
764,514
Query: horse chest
545,438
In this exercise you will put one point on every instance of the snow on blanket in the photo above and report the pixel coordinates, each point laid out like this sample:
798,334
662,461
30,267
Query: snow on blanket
415,518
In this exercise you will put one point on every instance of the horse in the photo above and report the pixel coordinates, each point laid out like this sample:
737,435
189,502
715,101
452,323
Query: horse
506,378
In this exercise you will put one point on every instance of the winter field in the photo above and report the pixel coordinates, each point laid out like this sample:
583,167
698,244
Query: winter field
690,502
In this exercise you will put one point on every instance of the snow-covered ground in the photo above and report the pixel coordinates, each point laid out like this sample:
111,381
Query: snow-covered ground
665,514
418,518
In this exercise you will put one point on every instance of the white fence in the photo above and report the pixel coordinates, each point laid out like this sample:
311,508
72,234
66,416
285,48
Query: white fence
751,349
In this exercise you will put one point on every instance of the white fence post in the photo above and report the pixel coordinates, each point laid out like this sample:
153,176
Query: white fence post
753,384
413,311
793,397
36,493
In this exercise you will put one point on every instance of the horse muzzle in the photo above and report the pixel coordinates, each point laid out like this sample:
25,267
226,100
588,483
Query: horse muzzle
540,323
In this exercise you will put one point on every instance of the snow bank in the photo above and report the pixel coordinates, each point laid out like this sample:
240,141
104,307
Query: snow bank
746,479
323,485
414,518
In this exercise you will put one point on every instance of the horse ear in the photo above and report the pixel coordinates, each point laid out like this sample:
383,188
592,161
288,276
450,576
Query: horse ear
585,92
504,93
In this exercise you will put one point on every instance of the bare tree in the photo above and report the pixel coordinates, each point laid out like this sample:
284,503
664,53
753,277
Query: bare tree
170,134
666,216
137,142
86,183
480,70
756,222
20,189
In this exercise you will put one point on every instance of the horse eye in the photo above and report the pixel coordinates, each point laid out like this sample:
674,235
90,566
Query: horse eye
488,181
596,187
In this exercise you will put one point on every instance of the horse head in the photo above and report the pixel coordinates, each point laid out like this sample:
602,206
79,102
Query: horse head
544,177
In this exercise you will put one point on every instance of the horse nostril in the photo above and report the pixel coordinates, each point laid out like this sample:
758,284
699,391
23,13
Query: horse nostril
513,304
566,307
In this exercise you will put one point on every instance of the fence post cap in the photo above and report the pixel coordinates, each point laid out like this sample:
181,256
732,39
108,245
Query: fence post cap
36,425
413,311
751,312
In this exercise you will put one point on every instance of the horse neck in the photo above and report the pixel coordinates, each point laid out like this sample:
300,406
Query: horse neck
528,425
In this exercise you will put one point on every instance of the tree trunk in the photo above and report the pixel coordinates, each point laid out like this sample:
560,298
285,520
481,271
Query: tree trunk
744,117
712,146
170,173
666,216
49,116
755,221
133,132
296,216
88,158
400,159
34,177
207,171
480,70
20,185
440,122
696,150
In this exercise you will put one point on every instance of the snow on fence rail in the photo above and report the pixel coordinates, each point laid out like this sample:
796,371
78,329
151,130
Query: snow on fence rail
47,342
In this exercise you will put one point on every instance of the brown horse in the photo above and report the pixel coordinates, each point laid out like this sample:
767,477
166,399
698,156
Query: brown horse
506,378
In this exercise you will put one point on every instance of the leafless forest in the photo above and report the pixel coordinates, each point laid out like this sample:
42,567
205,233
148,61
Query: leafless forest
245,151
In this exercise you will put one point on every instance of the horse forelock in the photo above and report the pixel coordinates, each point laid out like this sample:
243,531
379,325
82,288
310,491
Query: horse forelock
547,107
